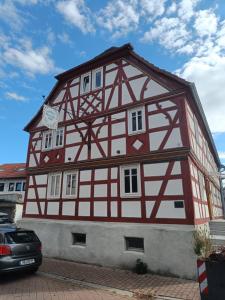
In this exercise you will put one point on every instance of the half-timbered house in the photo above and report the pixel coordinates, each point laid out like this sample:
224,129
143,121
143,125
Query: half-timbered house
130,170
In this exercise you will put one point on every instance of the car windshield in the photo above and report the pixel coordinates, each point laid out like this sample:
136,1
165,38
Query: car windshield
21,237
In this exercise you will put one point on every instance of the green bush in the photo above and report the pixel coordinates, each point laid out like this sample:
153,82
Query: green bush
202,243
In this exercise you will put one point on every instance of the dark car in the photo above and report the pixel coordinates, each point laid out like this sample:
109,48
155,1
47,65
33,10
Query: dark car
20,249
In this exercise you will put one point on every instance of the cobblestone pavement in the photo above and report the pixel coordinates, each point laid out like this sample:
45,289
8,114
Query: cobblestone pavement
125,280
39,287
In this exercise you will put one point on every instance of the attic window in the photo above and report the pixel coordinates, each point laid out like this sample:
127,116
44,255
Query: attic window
97,79
85,83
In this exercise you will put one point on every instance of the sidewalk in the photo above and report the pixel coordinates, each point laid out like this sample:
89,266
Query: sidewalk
151,285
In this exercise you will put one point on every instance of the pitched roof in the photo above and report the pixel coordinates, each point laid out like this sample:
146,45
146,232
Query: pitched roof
13,170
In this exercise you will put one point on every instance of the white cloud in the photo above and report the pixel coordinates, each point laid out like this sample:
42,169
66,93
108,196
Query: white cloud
172,8
10,14
64,38
221,154
154,8
16,97
186,9
171,33
205,23
119,17
76,13
208,75
33,61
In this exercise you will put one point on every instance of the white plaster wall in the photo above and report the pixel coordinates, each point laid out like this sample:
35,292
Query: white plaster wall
100,209
131,209
157,169
53,208
168,248
68,208
119,145
41,179
31,208
167,210
153,89
101,174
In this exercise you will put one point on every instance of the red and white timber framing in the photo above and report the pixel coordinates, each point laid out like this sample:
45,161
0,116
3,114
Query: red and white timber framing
173,152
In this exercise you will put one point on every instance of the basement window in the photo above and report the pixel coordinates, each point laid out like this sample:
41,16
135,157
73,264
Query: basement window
134,244
79,239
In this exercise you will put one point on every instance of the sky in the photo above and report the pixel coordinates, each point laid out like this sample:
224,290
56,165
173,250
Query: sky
42,38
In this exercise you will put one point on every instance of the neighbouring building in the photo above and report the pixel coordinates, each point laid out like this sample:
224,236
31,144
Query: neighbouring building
12,189
130,171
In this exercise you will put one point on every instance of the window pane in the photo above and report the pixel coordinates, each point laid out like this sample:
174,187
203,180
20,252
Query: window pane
134,124
24,186
18,186
57,185
86,83
68,184
11,186
127,181
59,137
73,185
2,187
79,238
52,185
98,79
139,120
133,243
134,184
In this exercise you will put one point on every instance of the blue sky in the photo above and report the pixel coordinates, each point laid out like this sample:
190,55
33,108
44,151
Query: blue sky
41,38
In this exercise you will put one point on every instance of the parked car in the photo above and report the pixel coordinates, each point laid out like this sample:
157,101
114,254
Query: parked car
4,218
20,249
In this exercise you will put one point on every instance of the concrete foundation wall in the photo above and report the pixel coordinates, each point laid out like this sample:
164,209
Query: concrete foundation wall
168,249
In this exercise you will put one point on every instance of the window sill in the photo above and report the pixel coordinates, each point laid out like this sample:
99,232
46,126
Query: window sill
52,149
136,132
130,196
78,246
135,251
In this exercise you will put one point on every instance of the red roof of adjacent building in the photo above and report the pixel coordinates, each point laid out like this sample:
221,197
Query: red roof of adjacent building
12,170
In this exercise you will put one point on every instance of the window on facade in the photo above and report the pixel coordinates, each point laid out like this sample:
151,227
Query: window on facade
18,186
79,239
59,134
24,186
70,184
85,83
97,78
2,185
54,185
53,139
136,120
11,186
47,140
134,244
130,180
178,204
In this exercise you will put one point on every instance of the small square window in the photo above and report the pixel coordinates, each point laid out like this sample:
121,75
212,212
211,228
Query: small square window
2,185
79,239
11,186
178,204
134,244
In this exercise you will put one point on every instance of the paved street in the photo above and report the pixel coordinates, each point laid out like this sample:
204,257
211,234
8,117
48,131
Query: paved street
58,279
40,287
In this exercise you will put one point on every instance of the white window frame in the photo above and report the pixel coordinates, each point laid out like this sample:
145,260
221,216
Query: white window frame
81,83
53,141
130,129
65,174
50,175
94,87
45,133
55,135
122,181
